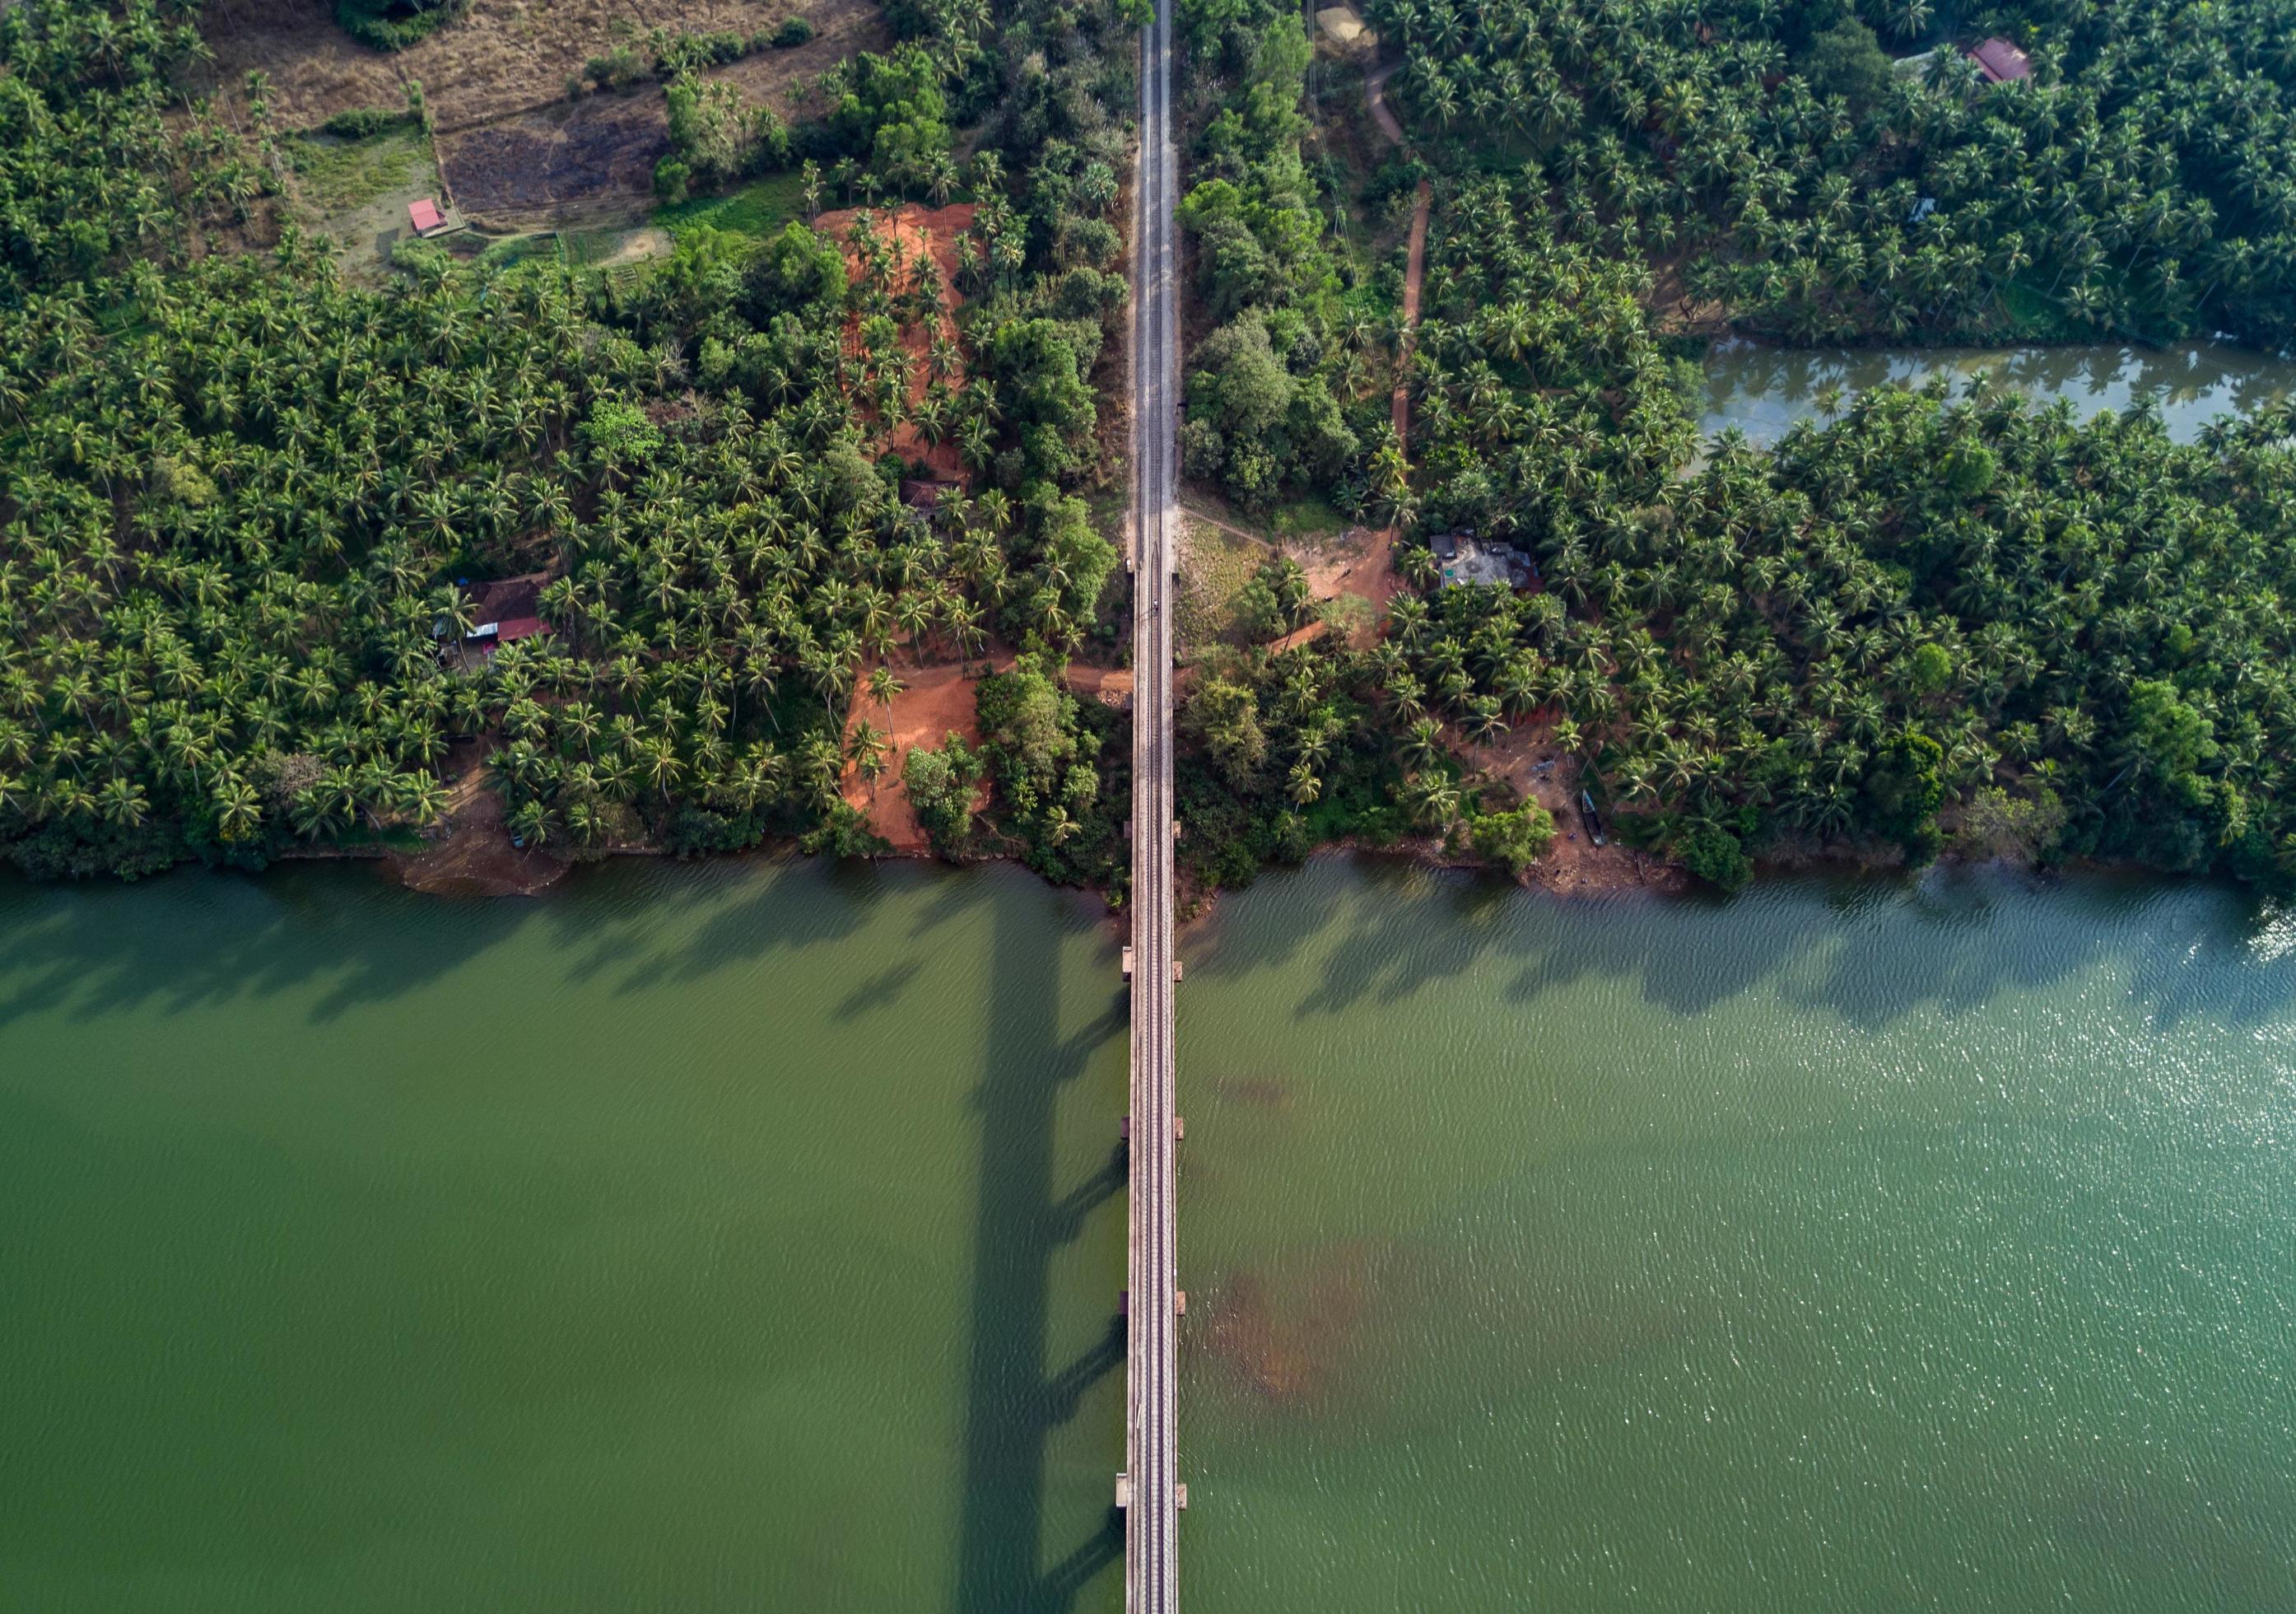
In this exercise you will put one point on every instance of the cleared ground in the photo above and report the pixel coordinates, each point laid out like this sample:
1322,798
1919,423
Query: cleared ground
518,153
935,701
357,191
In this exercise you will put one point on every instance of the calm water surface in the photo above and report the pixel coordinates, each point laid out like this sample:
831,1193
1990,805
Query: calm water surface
735,1238
744,1237
1832,1249
1762,390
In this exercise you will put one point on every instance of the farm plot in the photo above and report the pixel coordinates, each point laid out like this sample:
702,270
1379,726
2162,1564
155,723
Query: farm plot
516,151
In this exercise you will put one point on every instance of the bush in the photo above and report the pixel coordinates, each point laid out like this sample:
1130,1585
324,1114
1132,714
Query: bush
1713,854
365,122
670,179
789,35
393,25
1513,841
617,70
1847,61
941,785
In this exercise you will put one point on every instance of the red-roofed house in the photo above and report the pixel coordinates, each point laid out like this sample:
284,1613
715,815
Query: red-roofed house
507,610
2001,62
425,217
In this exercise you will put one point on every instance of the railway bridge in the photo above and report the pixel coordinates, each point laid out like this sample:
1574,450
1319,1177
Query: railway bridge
1149,1490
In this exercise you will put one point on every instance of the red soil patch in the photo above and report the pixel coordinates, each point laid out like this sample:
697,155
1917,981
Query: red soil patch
1113,685
1574,865
917,234
1361,564
936,701
474,857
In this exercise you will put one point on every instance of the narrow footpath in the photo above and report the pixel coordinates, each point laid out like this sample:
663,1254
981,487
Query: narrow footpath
1415,274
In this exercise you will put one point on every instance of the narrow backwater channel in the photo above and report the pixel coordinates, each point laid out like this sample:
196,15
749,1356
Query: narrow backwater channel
1763,390
745,1236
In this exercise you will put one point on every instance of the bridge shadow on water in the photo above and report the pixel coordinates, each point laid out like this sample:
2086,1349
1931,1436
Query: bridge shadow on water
1026,1546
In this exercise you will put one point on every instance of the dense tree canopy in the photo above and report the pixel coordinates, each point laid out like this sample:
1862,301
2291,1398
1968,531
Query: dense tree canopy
242,497
2143,179
1926,620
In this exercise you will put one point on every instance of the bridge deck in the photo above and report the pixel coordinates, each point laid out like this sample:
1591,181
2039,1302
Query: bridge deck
1151,1517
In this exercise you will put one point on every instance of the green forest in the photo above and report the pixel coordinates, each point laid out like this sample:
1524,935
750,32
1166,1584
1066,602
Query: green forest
248,504
1927,621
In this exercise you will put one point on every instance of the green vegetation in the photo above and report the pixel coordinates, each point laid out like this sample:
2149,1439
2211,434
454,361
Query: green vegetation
2138,181
1047,752
335,175
393,25
1270,390
244,500
760,208
365,123
1926,623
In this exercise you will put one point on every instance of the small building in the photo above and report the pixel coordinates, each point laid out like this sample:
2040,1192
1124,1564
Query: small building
1922,208
502,613
2001,62
427,218
924,492
1467,560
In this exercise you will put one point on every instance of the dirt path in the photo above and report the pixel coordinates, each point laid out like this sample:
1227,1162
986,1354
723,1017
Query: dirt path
1110,686
1375,95
1416,275
1193,514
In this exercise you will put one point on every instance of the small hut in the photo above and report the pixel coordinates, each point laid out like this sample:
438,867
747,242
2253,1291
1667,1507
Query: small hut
426,218
504,612
2001,62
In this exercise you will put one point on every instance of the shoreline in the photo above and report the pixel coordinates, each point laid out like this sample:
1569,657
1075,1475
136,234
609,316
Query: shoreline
540,872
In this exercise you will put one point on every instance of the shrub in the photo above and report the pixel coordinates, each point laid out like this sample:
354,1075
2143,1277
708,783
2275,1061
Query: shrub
1513,841
617,70
364,123
393,25
789,35
1713,854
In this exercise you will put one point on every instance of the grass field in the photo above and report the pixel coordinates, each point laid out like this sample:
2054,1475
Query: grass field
760,209
1311,517
1215,565
335,175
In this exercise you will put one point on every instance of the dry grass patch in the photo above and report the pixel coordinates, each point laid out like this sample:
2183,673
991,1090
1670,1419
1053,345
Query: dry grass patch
1215,562
515,149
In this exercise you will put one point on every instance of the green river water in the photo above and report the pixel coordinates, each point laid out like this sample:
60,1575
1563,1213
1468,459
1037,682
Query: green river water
745,1236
